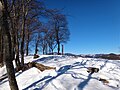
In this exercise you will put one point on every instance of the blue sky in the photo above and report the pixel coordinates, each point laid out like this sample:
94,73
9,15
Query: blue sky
94,25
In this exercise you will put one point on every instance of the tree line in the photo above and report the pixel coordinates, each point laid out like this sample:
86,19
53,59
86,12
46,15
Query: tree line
26,24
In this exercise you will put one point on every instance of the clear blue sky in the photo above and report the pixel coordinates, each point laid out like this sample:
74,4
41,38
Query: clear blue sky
94,25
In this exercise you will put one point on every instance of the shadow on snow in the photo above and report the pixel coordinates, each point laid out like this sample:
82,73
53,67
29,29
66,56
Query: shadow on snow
61,71
85,82
45,59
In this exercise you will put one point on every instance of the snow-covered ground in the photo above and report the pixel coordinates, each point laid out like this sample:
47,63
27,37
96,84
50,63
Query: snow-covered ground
70,74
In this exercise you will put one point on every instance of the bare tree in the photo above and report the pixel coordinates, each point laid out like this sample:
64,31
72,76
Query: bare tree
30,10
60,28
32,27
51,40
24,13
37,40
8,45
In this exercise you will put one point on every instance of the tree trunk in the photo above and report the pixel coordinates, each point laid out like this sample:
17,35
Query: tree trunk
62,49
58,43
13,38
1,38
23,34
27,44
22,47
16,40
13,43
17,60
36,44
8,52
0,45
1,48
52,51
58,47
57,39
46,49
36,47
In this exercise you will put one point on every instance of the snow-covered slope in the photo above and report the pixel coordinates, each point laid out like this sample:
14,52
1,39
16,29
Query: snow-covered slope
70,74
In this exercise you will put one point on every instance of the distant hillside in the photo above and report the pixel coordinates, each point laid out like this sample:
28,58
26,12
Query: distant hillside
110,56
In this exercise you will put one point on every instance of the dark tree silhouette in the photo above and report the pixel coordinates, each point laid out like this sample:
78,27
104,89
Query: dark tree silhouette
60,28
8,45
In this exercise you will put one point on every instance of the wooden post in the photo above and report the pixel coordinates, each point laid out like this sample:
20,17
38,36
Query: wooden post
62,49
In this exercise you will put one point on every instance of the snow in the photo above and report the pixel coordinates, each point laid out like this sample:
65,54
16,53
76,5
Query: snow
2,71
70,74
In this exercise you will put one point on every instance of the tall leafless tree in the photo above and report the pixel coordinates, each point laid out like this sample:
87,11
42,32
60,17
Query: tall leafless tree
60,28
8,45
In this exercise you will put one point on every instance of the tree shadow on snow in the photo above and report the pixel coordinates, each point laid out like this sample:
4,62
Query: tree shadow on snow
45,59
48,79
85,82
80,64
102,66
76,75
42,83
4,78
